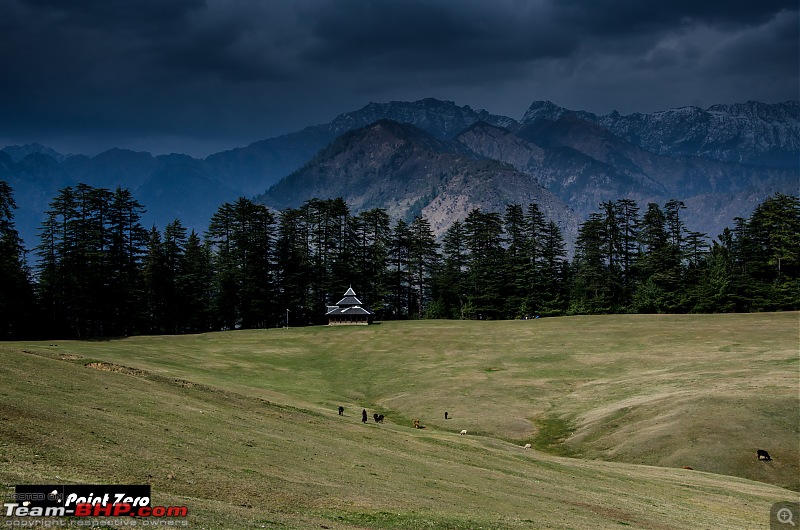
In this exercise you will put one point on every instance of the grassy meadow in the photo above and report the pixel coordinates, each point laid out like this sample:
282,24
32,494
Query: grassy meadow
242,426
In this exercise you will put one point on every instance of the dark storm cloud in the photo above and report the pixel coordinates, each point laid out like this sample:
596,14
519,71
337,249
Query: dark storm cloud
617,18
203,75
425,34
433,35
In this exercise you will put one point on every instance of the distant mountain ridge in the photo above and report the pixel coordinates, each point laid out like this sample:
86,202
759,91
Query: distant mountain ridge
721,161
18,152
259,165
750,133
409,172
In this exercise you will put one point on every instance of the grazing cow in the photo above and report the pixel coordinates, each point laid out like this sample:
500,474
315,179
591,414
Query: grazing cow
380,418
364,415
341,410
445,414
417,425
463,432
688,467
527,446
375,417
763,455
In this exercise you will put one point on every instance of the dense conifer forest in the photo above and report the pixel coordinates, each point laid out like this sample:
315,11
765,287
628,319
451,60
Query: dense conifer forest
99,273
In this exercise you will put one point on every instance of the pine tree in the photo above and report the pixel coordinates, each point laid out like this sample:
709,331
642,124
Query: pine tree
242,236
16,292
330,243
173,249
423,260
448,287
553,272
399,275
485,263
128,242
154,279
372,239
194,285
628,223
658,267
590,291
714,290
518,263
771,253
89,258
294,268
612,250
57,277
536,225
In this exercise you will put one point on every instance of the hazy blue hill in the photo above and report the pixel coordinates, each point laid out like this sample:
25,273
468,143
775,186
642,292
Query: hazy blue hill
721,161
256,167
112,168
410,172
180,187
18,152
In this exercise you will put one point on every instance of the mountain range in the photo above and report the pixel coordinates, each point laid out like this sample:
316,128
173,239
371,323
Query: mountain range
439,159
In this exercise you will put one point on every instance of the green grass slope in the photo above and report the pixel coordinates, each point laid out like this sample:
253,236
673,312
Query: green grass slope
242,426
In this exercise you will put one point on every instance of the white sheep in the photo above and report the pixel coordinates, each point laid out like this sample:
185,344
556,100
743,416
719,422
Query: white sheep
463,432
527,446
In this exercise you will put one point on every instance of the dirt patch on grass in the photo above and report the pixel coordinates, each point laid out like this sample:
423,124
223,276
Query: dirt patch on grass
111,367
136,372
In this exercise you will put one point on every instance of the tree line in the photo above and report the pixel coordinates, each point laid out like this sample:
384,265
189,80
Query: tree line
100,273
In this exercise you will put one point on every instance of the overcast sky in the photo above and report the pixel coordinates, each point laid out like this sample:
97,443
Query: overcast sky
201,76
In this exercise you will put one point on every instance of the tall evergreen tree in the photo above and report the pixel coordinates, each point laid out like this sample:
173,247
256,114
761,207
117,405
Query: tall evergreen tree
448,288
485,263
174,249
16,292
628,224
771,250
400,275
294,267
536,226
590,291
372,240
128,241
89,257
330,240
612,250
342,268
658,266
57,276
242,235
518,262
553,272
423,259
154,278
714,290
194,285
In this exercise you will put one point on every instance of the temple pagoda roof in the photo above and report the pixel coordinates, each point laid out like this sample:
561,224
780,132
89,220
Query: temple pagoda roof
350,299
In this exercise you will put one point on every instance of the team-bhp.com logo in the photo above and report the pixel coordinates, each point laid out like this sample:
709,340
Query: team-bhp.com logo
87,501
